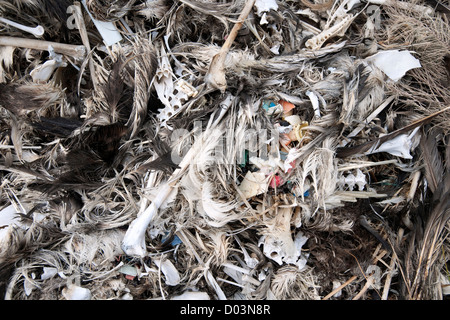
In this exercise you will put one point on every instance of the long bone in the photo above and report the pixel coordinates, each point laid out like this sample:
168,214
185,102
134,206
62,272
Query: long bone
76,51
133,243
36,31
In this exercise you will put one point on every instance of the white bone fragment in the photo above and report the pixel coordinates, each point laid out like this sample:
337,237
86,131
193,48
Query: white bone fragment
133,242
74,292
43,72
339,28
170,272
315,102
263,6
351,181
278,244
76,51
36,31
215,77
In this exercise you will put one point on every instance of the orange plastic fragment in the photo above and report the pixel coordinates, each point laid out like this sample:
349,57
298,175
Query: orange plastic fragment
287,106
129,277
276,181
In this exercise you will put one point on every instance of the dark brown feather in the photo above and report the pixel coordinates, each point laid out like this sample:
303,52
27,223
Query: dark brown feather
433,163
59,127
113,88
344,152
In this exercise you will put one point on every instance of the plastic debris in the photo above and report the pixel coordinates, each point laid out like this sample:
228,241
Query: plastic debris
74,292
246,150
130,272
254,183
170,272
399,146
263,7
394,63
107,29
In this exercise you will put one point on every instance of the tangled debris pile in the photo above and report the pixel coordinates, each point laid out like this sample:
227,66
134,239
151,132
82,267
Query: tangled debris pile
199,149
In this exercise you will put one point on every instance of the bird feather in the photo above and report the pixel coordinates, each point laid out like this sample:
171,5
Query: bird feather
433,163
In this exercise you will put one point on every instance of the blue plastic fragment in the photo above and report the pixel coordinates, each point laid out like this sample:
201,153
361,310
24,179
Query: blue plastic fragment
268,104
176,240
306,194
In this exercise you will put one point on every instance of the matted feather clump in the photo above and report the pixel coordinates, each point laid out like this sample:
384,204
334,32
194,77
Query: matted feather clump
238,149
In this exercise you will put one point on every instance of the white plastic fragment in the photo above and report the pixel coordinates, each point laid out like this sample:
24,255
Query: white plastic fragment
263,6
394,63
74,292
337,284
170,272
284,249
106,29
315,102
192,295
399,146
48,273
254,183
128,270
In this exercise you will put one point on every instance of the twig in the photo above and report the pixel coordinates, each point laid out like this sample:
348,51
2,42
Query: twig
215,77
85,39
346,283
387,283
414,183
76,51
369,282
